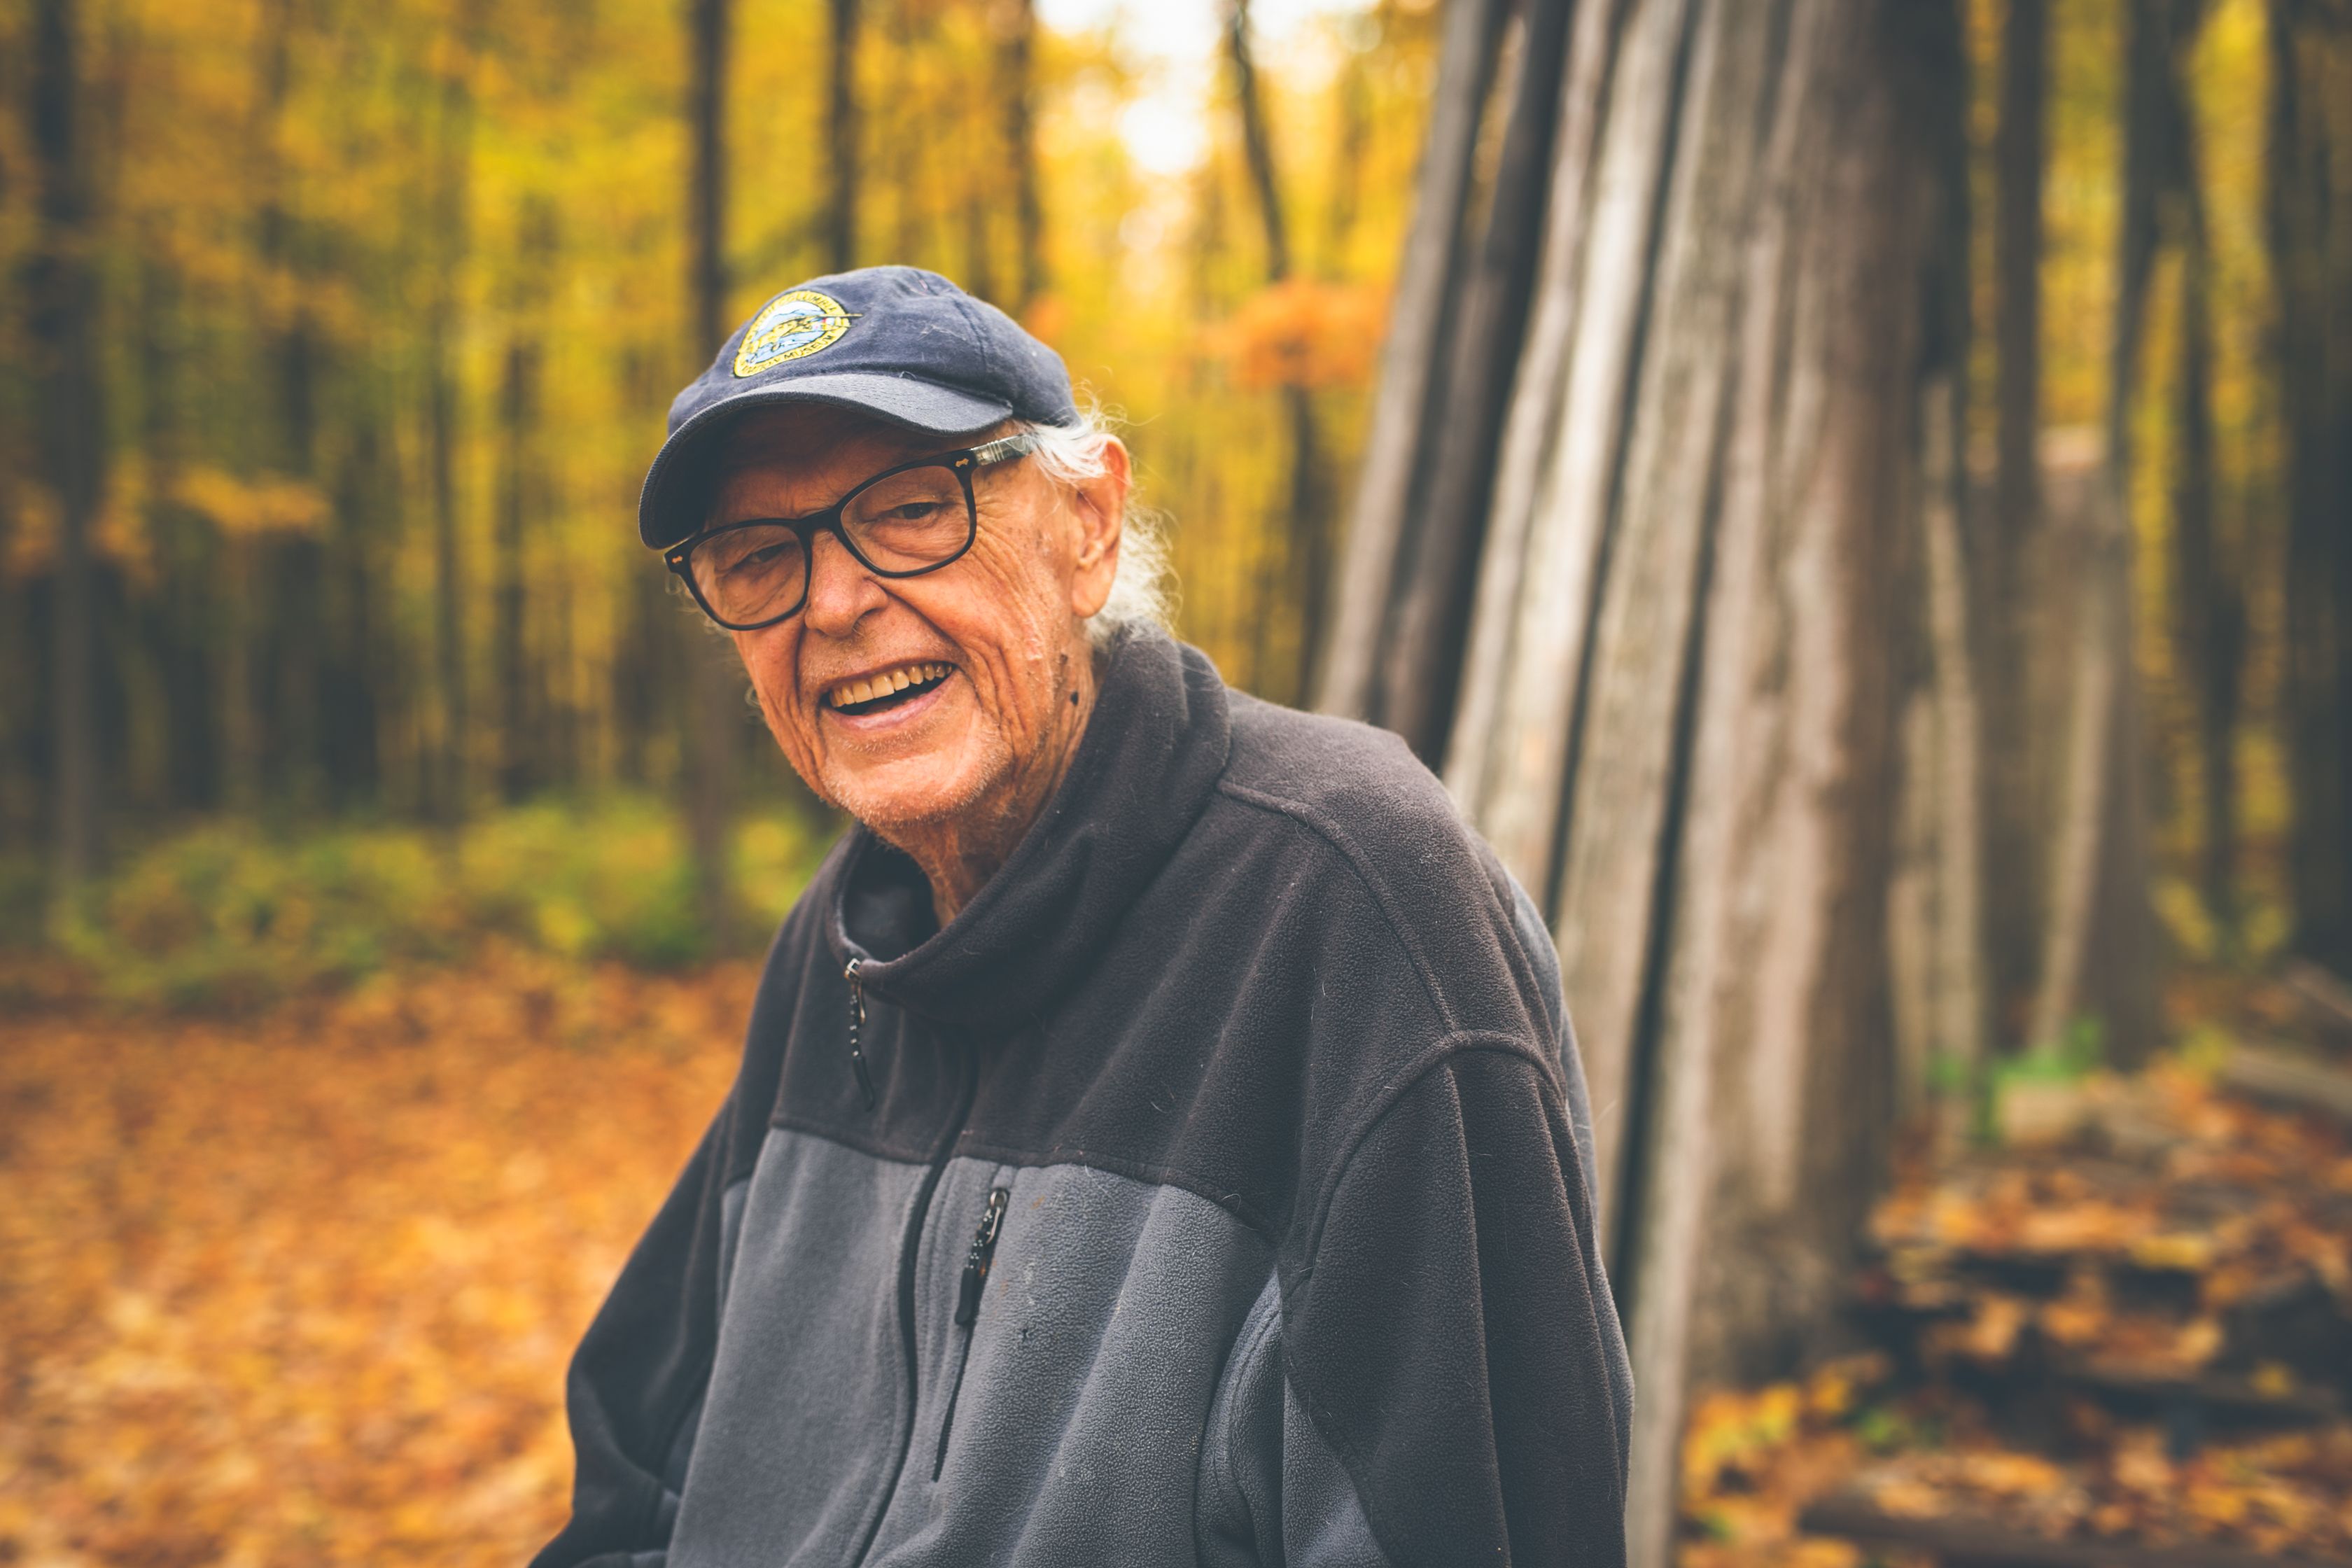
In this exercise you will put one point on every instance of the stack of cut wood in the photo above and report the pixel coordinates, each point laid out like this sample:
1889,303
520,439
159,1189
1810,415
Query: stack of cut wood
2128,1342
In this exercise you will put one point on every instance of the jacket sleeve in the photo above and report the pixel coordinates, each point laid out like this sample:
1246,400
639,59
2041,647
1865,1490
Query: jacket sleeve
1447,1337
636,1387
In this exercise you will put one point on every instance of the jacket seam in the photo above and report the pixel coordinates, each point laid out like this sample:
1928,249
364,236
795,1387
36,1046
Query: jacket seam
649,1512
1417,1072
1443,1052
1352,1458
1241,1367
1148,1171
1144,1171
1360,865
873,1149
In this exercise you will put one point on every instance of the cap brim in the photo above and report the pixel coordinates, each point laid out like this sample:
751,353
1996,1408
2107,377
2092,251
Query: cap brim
921,405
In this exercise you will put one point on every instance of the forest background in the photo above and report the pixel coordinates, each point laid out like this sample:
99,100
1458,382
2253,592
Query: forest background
352,741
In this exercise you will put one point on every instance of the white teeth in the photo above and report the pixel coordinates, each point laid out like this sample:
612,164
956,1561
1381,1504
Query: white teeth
866,688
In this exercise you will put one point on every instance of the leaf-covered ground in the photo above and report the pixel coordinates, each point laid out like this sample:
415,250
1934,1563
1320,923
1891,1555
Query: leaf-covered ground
299,1289
2131,1335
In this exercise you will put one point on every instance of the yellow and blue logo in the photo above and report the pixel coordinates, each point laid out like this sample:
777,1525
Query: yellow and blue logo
790,326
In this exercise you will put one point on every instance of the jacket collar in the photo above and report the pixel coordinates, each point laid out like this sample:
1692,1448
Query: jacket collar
1153,750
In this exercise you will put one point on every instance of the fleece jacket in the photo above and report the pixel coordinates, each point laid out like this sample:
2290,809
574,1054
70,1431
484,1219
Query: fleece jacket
1215,1188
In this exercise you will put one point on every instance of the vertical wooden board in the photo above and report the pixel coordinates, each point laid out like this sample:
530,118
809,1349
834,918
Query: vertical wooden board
1956,1026
1617,828
1548,605
1913,907
1426,280
1765,1096
1432,609
2095,963
1531,428
1818,1083
1672,1178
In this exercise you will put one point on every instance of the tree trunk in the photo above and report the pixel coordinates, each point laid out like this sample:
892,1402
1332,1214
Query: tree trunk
453,132
187,552
518,417
2162,204
359,684
2013,871
1676,719
841,138
713,677
1353,114
1422,659
2096,960
1301,573
289,572
1936,923
980,269
1018,73
2210,616
1410,401
2310,201
62,296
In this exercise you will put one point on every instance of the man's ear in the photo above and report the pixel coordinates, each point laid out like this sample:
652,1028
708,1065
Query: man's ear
1098,507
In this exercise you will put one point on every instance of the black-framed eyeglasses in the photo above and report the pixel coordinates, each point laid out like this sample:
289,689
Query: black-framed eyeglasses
902,523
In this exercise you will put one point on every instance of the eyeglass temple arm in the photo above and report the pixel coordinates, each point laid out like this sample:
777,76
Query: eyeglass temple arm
1007,447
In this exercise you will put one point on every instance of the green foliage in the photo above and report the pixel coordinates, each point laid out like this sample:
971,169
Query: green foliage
1885,1428
2043,1076
228,915
2070,1058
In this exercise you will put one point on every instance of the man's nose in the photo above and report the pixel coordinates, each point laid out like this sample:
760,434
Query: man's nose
841,592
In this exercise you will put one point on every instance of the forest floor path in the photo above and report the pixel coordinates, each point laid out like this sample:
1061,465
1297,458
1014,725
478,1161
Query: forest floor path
299,1287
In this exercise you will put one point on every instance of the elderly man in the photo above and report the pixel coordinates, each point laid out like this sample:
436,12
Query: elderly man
1157,1138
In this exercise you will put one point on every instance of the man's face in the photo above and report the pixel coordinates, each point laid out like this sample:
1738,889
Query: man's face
1005,621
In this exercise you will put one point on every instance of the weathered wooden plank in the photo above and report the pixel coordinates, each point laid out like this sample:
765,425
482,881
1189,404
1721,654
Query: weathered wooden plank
1421,659
1630,738
2270,1074
1531,428
1972,1542
1545,597
1771,1097
1427,281
2326,999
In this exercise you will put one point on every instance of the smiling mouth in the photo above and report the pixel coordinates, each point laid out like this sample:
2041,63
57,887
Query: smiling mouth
886,689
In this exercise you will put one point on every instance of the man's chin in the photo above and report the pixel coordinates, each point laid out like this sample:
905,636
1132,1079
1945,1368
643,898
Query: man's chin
901,803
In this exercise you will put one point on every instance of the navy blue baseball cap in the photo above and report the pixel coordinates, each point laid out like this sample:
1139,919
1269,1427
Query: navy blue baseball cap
902,344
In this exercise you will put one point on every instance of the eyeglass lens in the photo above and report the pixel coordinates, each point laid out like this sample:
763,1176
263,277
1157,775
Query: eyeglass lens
902,523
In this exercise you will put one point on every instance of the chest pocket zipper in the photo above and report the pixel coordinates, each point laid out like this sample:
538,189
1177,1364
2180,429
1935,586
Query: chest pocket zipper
857,1032
969,1291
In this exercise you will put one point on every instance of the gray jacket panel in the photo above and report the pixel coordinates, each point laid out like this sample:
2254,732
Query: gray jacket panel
1109,1306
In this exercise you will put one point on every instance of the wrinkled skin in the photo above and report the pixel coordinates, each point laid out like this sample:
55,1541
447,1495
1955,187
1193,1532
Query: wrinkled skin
955,776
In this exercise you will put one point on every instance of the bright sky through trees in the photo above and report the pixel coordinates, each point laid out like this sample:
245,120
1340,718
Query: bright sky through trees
1166,128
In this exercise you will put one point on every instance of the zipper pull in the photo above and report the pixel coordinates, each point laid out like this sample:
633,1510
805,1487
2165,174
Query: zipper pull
975,1262
856,1027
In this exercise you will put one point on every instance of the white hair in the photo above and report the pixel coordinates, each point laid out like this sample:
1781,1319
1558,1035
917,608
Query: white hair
1140,593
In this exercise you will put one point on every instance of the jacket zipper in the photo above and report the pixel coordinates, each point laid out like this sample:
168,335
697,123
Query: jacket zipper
969,1291
856,1028
916,1222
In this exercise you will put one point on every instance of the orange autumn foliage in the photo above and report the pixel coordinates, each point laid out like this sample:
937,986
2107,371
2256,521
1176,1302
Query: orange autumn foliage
301,1291
1300,332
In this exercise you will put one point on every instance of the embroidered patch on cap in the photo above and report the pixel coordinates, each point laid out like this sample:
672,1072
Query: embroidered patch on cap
793,326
